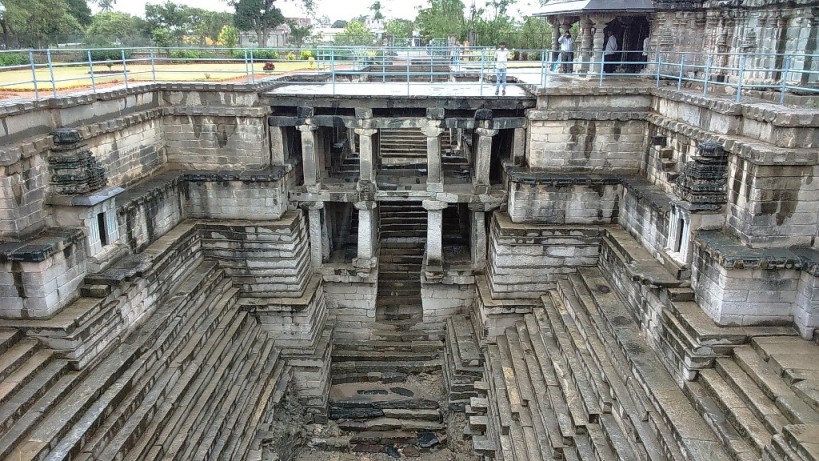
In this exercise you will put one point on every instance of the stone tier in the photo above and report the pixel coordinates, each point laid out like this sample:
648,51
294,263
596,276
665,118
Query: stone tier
192,382
463,363
763,400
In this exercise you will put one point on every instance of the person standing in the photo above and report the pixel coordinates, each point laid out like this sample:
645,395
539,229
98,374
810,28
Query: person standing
566,51
610,52
501,58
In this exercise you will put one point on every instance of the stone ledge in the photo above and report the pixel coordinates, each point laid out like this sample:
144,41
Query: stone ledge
590,114
730,253
40,247
524,175
595,91
752,150
216,111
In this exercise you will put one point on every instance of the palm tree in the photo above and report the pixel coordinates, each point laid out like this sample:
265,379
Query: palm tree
106,5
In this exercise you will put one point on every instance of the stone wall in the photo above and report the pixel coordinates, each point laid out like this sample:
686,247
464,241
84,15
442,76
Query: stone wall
644,213
563,201
442,299
526,260
351,303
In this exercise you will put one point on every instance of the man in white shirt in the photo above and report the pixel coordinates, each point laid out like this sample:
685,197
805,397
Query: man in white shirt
501,58
566,51
610,52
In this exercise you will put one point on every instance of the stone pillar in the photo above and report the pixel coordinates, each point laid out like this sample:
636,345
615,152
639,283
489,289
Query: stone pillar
278,145
519,147
555,21
598,43
586,45
477,237
435,241
315,211
435,175
483,156
351,140
309,154
367,240
367,154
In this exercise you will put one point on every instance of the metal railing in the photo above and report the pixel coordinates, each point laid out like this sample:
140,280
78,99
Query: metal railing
45,73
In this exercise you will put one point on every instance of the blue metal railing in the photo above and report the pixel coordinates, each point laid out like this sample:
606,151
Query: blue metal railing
32,72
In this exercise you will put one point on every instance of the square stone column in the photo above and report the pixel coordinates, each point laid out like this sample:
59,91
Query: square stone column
315,214
519,147
309,154
483,156
435,241
366,154
278,143
435,175
477,237
367,240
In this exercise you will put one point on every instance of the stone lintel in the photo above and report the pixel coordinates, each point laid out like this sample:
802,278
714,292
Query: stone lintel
363,113
85,200
436,113
307,127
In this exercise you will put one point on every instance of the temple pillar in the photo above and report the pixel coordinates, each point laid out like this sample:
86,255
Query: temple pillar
309,154
435,176
586,44
366,154
315,213
435,242
519,146
554,21
483,156
599,42
367,240
477,237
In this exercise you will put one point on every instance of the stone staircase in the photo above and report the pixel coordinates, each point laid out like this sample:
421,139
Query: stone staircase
577,380
195,381
403,235
407,147
760,400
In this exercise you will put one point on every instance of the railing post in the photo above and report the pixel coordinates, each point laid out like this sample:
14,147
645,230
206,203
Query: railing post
680,76
247,69
153,66
741,76
483,62
333,68
707,75
34,74
124,68
91,73
543,69
602,69
408,73
784,85
252,68
659,65
51,72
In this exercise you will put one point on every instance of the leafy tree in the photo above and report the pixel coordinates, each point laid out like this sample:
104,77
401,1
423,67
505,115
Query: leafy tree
115,27
442,18
339,24
355,34
210,25
38,23
228,36
80,11
162,37
176,19
299,33
399,28
260,16
535,33
376,9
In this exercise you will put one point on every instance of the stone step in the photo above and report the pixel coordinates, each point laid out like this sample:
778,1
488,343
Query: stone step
366,356
16,355
20,397
736,411
663,394
764,408
732,441
8,338
390,424
358,366
372,377
796,410
23,374
411,346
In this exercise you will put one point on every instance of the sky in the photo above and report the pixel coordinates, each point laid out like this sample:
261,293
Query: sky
335,9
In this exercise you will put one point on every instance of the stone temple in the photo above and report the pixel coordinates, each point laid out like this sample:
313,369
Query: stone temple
369,270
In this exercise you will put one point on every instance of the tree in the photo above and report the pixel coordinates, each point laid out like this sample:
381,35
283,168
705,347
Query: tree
260,16
442,18
110,28
178,20
80,11
38,23
376,9
399,28
106,6
355,34
339,24
229,36
210,25
299,32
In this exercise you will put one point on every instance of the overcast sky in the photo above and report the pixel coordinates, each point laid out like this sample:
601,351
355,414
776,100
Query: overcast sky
335,9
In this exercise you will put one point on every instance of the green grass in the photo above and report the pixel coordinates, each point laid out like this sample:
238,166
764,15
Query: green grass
79,76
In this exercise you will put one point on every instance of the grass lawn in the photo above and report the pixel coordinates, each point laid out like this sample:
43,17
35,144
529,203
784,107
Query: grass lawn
79,76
